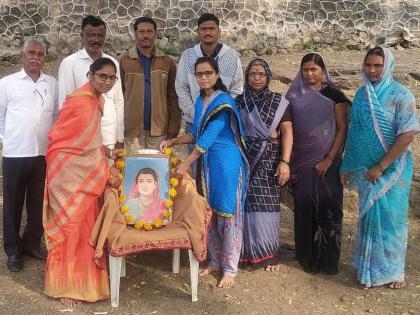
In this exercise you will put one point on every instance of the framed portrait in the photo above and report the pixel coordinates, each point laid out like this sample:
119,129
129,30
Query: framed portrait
145,186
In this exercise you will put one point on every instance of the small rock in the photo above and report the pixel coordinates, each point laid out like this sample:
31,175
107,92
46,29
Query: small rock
415,75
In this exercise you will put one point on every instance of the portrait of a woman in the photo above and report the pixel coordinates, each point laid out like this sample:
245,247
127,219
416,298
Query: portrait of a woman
144,202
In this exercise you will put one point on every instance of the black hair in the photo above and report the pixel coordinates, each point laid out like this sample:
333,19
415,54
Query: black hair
98,64
149,171
378,51
213,63
316,58
93,21
144,19
208,17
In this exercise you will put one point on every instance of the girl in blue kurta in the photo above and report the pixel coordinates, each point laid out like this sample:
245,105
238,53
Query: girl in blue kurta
222,168
379,162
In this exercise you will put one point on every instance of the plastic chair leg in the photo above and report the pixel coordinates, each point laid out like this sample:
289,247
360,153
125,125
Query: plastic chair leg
123,270
115,274
176,260
194,265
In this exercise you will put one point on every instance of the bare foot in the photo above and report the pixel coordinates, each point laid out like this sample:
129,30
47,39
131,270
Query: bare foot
206,271
397,284
69,302
226,282
272,268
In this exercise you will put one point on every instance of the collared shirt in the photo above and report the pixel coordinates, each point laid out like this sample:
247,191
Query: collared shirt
146,62
215,52
28,110
73,74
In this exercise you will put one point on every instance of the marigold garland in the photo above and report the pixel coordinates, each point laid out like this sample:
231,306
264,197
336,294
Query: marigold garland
124,209
172,192
174,182
128,218
168,203
120,164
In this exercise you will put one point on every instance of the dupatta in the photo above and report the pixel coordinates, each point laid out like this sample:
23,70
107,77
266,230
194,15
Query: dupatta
381,111
315,125
251,106
219,101
77,169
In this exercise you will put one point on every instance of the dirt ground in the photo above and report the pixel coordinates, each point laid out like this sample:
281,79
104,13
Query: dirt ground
151,288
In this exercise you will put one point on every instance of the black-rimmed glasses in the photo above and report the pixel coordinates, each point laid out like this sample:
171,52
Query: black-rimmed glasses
104,77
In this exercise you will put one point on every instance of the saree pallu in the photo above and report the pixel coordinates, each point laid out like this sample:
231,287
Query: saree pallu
76,176
318,199
261,115
223,176
381,112
223,166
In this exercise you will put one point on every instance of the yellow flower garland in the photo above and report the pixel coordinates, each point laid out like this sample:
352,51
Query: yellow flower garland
168,203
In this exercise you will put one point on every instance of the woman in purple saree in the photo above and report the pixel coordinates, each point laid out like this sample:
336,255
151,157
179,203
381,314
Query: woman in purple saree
319,112
269,137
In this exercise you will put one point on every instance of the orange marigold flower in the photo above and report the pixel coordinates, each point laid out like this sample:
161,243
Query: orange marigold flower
124,209
174,160
174,182
173,170
158,223
138,225
172,192
121,198
168,203
120,164
148,226
128,218
120,175
122,153
165,214
168,151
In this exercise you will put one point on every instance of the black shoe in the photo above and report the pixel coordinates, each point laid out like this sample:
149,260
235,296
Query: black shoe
14,263
40,253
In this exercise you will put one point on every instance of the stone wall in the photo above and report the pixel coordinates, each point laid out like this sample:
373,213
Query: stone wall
260,25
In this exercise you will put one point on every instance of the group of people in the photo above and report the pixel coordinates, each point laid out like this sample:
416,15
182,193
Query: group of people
245,144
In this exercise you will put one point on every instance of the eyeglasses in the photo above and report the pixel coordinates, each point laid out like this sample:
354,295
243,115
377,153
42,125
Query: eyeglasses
206,74
103,77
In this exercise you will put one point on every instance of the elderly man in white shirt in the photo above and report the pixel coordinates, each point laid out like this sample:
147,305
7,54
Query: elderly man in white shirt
28,109
73,74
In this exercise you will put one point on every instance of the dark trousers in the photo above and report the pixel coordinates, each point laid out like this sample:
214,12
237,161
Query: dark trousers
22,177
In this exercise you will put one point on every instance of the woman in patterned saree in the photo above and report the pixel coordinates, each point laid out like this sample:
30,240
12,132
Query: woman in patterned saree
269,138
378,161
77,171
320,120
224,172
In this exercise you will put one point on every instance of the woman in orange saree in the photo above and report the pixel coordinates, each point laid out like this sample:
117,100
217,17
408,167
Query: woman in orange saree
77,172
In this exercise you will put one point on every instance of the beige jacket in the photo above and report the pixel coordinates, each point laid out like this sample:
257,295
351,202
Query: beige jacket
166,114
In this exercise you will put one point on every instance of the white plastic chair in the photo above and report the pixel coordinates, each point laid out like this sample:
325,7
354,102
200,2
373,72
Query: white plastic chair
117,270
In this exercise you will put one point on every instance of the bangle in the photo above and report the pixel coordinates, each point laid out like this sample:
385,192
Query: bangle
284,161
